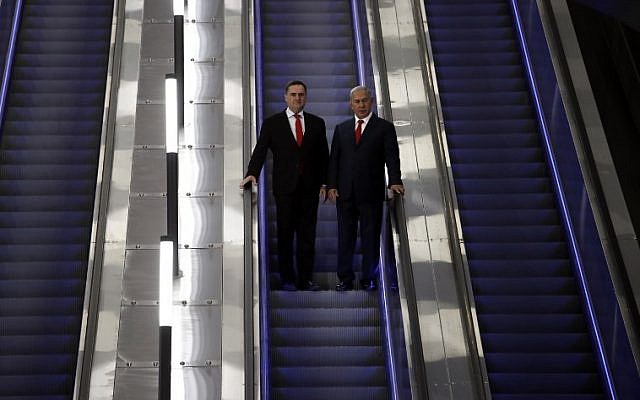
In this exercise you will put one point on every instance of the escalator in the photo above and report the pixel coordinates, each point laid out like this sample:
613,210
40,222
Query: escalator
533,329
321,344
48,164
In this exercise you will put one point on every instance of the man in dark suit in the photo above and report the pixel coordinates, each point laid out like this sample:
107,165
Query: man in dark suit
360,149
300,151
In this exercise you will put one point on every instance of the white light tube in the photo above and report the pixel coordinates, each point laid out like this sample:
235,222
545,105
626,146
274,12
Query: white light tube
178,7
171,113
166,283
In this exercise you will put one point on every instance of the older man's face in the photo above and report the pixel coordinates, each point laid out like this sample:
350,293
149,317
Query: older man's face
361,103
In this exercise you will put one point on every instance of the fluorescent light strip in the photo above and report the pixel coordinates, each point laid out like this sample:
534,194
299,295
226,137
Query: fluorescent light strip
171,113
165,278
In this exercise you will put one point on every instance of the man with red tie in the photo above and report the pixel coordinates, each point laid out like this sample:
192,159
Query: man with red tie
298,142
360,149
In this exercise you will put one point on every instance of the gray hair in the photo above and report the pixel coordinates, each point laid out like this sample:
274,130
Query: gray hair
359,88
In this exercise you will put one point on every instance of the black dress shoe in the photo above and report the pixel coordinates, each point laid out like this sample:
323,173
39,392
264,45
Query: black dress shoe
309,285
369,285
343,286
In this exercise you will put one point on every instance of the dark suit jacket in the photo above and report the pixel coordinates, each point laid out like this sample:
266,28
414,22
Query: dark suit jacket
358,171
290,162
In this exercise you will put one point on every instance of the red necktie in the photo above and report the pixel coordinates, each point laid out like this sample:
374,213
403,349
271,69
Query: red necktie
298,130
359,130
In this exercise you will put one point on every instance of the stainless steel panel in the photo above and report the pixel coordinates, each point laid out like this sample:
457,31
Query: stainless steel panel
199,283
201,171
205,10
150,124
187,383
201,221
202,81
149,171
203,124
157,41
158,10
136,384
147,221
203,41
236,379
195,336
105,353
151,83
206,126
120,181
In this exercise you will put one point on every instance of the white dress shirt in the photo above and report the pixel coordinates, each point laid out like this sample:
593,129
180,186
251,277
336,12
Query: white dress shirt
364,124
292,122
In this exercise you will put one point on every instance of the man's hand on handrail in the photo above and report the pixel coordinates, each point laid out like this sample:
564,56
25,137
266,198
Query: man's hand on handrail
245,181
397,189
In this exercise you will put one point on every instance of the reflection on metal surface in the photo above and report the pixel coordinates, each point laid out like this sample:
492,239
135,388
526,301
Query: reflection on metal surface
195,336
200,222
203,175
199,284
186,383
198,291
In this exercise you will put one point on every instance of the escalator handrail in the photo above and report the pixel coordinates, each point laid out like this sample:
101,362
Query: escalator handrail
413,339
384,293
384,301
8,64
263,249
562,203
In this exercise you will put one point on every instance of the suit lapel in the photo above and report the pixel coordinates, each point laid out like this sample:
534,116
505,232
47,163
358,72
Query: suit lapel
286,129
351,128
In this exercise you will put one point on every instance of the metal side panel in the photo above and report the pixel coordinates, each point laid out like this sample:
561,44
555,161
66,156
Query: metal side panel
236,337
446,352
577,94
126,351
101,384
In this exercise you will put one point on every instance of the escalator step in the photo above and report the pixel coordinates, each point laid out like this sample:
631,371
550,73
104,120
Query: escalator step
33,385
292,356
334,393
531,323
39,306
326,336
524,286
327,376
36,364
327,317
528,304
546,383
39,344
536,342
42,252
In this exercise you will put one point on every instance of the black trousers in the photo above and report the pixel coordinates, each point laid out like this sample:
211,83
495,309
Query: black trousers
369,217
297,214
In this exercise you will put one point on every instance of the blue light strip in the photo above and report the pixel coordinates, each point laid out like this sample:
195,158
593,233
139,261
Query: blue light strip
384,300
263,250
357,41
387,331
8,64
604,365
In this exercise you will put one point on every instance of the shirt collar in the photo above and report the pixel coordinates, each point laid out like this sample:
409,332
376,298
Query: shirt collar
291,113
365,119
